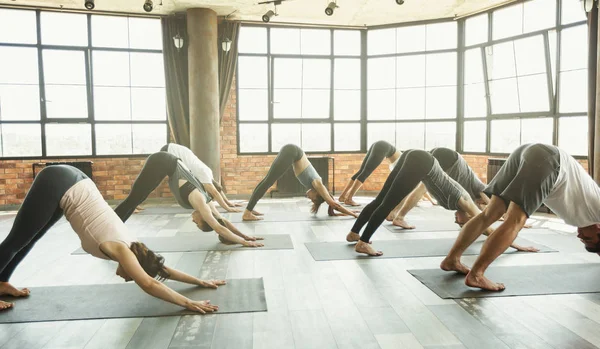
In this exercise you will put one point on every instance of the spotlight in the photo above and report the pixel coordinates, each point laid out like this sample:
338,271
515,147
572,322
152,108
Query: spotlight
399,2
89,4
267,16
330,8
148,6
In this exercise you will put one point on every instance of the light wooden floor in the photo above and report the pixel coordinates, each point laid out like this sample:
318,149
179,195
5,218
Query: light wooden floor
341,304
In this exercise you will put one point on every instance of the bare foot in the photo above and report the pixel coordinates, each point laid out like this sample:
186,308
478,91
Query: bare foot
351,202
256,213
249,216
10,290
363,247
352,237
480,281
402,224
390,217
454,265
141,208
5,305
342,199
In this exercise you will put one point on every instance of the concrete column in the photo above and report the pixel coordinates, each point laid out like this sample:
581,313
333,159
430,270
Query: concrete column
203,70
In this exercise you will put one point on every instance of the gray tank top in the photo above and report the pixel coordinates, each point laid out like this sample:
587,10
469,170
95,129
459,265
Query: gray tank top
464,175
182,172
307,176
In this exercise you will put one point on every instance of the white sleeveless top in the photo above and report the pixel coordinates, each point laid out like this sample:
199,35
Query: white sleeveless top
92,218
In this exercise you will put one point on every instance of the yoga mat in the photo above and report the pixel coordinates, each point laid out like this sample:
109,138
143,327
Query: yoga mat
207,243
408,248
290,216
162,210
519,280
424,226
127,300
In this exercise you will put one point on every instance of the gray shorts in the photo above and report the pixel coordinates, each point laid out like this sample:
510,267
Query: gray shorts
527,176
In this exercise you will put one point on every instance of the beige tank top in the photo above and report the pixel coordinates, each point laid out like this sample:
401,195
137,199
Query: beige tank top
92,218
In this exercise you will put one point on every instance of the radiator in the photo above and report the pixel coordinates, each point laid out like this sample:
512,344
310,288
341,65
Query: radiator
288,185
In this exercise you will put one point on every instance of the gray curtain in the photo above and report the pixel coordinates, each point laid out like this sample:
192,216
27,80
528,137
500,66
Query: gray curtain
227,61
176,78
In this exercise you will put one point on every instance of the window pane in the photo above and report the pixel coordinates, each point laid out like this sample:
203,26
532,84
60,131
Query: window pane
19,102
316,137
112,103
537,130
440,134
285,40
501,61
147,69
252,40
59,28
538,15
410,103
111,68
504,96
476,29
410,71
66,101
474,136
21,140
316,73
113,139
254,138
315,41
148,104
19,65
441,69
505,135
346,105
18,26
553,42
573,91
64,67
507,22
381,132
571,11
381,105
68,139
110,31
253,104
574,48
533,93
413,135
148,138
573,135
475,101
473,66
381,72
287,73
530,55
440,102
347,137
381,41
441,36
282,134
346,42
252,72
145,33
408,39
315,104
346,73
287,104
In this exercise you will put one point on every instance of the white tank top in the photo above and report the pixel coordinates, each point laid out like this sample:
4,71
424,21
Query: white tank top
92,218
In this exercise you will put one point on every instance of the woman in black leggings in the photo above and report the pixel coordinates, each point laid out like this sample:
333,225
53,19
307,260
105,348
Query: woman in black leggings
292,155
63,189
188,192
377,152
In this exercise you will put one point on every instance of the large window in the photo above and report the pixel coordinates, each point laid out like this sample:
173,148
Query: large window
80,85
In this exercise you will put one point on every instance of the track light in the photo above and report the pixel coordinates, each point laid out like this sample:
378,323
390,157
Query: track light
148,6
89,4
267,16
329,10
399,2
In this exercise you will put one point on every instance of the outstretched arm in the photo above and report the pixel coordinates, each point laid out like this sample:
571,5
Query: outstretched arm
180,276
216,195
334,205
229,225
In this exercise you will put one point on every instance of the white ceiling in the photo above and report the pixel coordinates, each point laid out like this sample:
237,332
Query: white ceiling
349,13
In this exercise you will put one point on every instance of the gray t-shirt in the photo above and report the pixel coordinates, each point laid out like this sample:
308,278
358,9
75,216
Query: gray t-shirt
464,175
444,189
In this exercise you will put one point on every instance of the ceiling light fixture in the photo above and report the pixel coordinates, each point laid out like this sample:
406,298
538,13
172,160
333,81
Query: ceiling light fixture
329,10
267,16
399,2
148,6
89,4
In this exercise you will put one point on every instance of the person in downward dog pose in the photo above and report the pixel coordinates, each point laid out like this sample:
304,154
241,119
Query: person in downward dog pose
414,166
292,155
377,152
188,192
64,190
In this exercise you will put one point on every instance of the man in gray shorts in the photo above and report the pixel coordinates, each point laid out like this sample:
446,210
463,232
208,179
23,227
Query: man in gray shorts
533,174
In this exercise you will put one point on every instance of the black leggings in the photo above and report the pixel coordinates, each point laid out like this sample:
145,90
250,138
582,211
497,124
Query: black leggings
288,154
39,211
446,157
412,167
377,152
157,167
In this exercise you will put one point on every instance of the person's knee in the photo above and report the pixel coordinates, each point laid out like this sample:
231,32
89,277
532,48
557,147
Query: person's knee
515,216
494,211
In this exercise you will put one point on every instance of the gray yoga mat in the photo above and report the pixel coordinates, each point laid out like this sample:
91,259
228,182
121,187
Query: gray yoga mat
162,210
123,300
290,216
208,243
408,248
519,280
